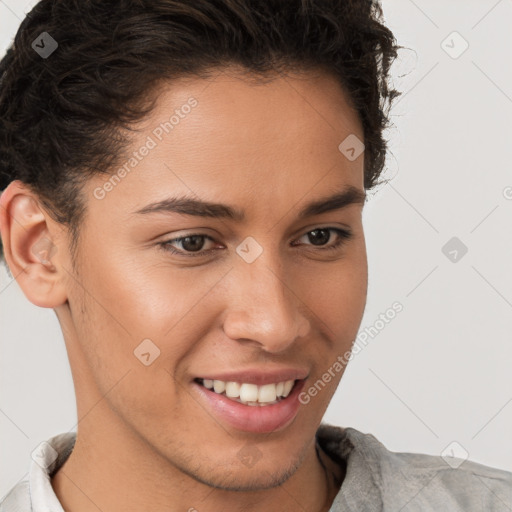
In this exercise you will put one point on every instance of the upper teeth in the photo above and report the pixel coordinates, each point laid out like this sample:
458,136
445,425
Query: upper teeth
251,394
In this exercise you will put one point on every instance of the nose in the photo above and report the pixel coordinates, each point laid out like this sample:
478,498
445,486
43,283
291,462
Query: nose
262,308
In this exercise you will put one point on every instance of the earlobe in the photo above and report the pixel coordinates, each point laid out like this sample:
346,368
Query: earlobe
30,247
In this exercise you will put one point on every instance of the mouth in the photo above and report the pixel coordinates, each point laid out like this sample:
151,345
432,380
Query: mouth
265,404
248,393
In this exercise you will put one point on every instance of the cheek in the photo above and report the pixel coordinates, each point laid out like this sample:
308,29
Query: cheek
141,301
132,309
337,292
345,302
134,330
337,297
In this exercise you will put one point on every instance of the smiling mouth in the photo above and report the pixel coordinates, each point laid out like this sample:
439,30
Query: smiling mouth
250,394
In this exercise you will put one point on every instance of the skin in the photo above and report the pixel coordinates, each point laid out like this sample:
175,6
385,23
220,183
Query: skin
144,440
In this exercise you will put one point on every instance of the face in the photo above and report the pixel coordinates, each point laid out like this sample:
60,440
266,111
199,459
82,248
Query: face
165,301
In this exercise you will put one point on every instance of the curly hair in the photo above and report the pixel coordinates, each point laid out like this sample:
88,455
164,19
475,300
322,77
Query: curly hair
62,118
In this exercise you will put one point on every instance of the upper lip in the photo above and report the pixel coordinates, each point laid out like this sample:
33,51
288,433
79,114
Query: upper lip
259,377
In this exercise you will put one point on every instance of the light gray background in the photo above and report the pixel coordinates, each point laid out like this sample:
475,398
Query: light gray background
441,370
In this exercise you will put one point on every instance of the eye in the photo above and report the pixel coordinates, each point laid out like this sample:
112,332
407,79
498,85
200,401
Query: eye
320,236
192,244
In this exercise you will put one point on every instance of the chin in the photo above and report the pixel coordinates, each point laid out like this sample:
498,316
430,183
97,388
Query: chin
249,479
241,473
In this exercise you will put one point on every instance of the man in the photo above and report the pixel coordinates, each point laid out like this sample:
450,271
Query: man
183,183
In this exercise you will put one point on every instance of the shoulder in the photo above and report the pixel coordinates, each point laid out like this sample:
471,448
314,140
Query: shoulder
17,499
416,481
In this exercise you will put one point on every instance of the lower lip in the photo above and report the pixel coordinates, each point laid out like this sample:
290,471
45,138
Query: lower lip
259,419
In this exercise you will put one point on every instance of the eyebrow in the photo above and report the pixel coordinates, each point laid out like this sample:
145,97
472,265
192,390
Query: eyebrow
198,208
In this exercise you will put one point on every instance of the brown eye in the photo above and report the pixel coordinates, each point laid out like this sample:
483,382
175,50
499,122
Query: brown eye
320,236
191,245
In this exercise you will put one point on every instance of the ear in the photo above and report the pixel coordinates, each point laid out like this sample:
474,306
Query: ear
31,248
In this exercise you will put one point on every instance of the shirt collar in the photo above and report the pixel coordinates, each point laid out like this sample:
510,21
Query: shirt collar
47,458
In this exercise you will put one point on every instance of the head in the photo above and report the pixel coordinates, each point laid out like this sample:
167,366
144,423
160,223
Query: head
145,106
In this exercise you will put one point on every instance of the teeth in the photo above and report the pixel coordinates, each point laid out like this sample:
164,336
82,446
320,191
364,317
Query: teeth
288,385
267,393
219,386
251,394
232,389
248,393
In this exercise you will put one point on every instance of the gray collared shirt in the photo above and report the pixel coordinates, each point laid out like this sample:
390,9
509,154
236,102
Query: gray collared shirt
376,479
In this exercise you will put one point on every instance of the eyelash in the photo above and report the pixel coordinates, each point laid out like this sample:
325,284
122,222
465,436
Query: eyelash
343,236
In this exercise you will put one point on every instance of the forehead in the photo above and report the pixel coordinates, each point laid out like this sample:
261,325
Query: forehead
227,134
234,105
